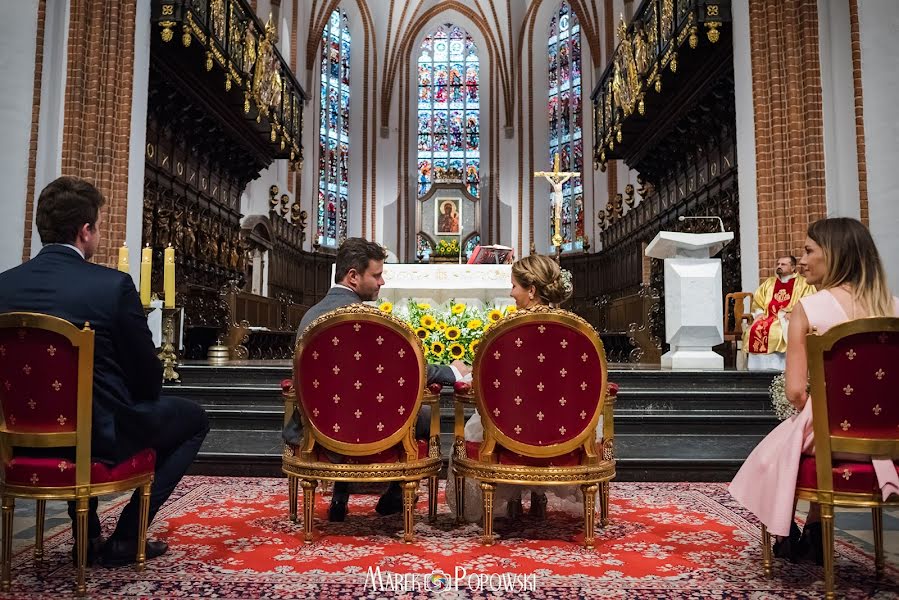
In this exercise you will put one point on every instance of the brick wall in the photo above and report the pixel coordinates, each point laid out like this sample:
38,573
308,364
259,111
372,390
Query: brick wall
35,121
789,127
97,127
859,110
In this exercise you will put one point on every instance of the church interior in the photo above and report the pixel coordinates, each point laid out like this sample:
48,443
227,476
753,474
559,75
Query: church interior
664,154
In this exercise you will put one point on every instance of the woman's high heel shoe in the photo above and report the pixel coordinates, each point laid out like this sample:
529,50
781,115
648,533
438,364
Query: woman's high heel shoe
513,509
789,547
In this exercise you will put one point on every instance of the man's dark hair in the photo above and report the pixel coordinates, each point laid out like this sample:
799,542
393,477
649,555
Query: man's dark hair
64,206
793,259
356,253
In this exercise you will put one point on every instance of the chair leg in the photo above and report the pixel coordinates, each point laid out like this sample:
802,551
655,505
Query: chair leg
309,486
877,518
81,509
589,491
432,497
488,489
8,506
41,510
604,503
143,524
293,487
460,498
766,552
827,535
409,488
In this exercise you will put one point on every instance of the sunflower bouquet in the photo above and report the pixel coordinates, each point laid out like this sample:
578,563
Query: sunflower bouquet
447,248
448,334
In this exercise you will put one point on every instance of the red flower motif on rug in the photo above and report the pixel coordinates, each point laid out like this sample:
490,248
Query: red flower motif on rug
230,538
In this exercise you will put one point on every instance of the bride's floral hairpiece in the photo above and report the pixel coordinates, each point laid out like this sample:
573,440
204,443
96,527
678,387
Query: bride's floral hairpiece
565,276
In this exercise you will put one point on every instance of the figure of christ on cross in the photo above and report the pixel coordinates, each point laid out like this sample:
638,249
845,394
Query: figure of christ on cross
556,179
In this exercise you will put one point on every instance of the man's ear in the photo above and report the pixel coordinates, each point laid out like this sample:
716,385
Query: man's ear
85,231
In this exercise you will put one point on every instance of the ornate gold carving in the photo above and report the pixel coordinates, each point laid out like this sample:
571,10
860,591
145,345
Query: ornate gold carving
185,36
167,33
713,34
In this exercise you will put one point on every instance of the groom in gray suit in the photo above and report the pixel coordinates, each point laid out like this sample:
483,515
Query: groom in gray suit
358,278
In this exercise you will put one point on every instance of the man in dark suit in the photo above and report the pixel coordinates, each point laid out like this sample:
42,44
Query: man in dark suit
358,278
128,412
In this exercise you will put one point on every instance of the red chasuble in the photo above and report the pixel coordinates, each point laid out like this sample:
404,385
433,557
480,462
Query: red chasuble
780,299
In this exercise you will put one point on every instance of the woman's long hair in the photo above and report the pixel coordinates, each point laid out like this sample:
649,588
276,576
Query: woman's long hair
851,258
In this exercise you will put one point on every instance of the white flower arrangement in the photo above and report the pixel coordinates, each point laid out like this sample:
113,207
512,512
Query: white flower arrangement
782,407
567,285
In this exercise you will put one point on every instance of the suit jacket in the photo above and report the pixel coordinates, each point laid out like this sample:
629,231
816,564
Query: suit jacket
127,372
338,297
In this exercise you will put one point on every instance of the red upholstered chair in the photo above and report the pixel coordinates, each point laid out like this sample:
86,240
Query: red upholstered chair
854,376
540,385
359,381
46,389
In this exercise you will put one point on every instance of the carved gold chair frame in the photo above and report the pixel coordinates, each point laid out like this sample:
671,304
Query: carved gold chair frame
593,474
301,466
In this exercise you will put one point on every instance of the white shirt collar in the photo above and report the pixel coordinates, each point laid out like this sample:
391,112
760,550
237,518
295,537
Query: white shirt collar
787,278
340,285
75,248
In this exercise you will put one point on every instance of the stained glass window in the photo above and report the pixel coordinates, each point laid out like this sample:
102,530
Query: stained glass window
565,120
334,131
448,109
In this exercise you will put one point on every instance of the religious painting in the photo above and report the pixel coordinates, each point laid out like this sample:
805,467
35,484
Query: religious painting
447,216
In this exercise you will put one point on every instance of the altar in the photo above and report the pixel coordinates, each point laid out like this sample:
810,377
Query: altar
480,286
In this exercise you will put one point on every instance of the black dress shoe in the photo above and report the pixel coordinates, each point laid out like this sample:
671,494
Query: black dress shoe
391,501
790,547
337,510
117,553
94,547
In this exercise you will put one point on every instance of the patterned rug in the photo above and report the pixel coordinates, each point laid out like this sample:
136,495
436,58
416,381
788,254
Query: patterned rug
230,538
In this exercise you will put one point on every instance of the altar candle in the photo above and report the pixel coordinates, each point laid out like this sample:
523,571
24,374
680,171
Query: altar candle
123,259
146,270
168,277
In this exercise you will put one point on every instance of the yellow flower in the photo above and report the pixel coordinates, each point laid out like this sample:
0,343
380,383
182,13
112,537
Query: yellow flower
422,333
427,350
386,307
457,350
441,326
428,321
494,315
437,349
458,309
424,306
473,345
452,333
474,324
510,309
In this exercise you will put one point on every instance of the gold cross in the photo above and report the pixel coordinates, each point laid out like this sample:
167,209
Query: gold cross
556,178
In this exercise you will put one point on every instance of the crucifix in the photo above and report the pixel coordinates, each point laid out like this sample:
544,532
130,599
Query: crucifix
556,178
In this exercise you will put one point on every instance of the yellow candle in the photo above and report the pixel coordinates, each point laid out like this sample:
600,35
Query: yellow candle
168,277
123,259
146,272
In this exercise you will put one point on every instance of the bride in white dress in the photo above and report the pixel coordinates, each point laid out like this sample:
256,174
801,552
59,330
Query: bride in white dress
537,280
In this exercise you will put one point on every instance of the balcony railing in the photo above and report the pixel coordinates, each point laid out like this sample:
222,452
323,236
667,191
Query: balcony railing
646,48
237,42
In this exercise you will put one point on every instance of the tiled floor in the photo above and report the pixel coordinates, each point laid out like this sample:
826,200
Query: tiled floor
851,524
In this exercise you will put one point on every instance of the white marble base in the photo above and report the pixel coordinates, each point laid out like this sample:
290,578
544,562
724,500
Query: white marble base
692,359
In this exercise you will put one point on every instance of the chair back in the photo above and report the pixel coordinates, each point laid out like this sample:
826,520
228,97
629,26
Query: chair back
46,385
854,377
740,315
540,379
359,375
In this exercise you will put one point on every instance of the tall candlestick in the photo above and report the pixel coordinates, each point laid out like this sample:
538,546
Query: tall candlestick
123,259
168,277
146,270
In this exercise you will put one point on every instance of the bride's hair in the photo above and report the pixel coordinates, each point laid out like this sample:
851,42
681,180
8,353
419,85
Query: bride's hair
553,284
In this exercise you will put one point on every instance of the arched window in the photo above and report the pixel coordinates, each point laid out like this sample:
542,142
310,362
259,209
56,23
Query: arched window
334,132
565,121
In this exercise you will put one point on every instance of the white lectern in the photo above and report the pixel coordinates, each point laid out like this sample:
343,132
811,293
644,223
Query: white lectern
693,302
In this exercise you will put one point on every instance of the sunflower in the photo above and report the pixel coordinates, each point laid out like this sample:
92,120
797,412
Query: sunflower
424,306
386,307
422,333
457,350
428,321
510,309
458,309
494,315
474,324
441,325
452,333
437,349
473,345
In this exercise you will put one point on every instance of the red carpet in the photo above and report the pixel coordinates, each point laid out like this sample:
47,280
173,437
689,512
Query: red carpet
230,538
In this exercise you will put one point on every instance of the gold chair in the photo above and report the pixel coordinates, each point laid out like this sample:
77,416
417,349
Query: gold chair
46,390
741,318
854,376
359,382
540,385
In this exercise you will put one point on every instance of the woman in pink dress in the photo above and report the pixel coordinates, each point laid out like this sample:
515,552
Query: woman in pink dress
841,259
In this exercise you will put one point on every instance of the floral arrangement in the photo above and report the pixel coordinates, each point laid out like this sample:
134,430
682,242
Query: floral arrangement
783,409
449,334
447,248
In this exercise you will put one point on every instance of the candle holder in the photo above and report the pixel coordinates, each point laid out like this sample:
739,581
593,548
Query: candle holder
171,333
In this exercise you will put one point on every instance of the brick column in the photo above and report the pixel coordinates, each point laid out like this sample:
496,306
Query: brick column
789,124
859,111
97,128
35,120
